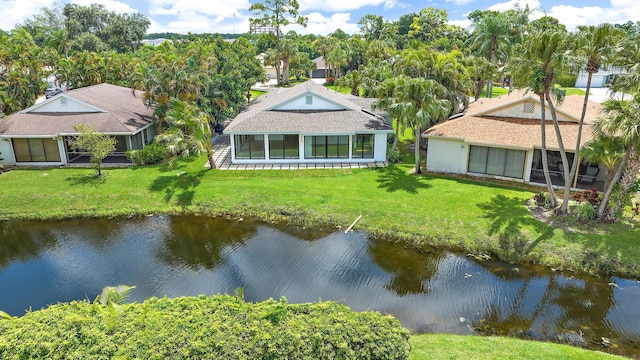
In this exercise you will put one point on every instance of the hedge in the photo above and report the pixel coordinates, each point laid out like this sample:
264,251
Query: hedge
204,327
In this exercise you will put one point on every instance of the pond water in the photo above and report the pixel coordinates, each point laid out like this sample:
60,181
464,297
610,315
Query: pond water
437,291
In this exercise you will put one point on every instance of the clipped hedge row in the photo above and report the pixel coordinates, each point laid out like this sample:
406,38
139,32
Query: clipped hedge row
204,327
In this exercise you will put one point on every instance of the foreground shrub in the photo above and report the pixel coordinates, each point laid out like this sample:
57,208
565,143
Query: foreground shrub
151,154
215,327
585,212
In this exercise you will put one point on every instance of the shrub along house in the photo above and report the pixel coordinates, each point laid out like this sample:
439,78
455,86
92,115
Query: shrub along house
38,135
501,138
308,123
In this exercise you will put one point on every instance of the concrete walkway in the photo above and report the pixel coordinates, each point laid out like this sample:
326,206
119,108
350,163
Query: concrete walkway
222,158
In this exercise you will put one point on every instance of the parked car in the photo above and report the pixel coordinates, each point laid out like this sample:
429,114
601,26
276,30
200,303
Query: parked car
51,92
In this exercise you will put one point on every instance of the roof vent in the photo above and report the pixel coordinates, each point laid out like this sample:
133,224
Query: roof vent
63,101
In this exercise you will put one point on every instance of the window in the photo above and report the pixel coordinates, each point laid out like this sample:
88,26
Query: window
326,147
363,145
36,150
283,146
528,107
249,146
496,161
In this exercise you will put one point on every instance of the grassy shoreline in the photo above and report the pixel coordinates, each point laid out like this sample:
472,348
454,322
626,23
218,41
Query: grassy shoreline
469,215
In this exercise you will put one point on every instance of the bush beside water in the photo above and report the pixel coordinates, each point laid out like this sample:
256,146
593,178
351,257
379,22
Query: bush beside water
204,327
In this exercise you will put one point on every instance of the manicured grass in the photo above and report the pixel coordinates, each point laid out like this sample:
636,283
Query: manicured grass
256,93
436,346
571,90
495,92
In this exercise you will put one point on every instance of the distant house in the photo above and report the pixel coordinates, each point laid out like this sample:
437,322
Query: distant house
319,71
269,70
308,123
600,79
38,135
501,138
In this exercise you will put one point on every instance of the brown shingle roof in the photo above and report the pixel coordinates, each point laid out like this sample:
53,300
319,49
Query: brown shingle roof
512,132
124,114
259,118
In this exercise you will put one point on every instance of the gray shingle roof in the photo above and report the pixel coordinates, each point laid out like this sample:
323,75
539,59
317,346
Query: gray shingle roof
258,118
125,114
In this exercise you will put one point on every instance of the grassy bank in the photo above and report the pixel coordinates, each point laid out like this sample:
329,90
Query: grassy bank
437,346
460,213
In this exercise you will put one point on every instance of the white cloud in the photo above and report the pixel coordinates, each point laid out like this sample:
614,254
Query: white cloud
112,5
620,12
512,4
462,23
321,25
337,5
224,8
14,12
459,2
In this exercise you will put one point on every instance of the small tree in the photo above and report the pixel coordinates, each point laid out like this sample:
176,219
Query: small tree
97,144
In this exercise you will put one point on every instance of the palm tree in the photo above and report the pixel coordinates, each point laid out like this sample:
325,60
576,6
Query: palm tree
288,51
488,37
189,132
113,295
541,56
353,80
621,120
606,150
323,46
597,44
421,102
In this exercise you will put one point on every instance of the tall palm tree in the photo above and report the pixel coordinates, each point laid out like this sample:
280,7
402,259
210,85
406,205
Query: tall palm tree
489,37
421,102
288,51
323,46
540,57
598,45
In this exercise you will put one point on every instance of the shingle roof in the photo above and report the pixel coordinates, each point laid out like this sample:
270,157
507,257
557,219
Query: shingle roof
259,118
517,132
124,114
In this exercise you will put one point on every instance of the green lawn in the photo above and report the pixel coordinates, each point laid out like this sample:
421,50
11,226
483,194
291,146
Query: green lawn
495,92
436,346
256,93
571,90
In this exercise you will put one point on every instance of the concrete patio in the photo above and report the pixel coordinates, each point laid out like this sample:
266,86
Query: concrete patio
222,158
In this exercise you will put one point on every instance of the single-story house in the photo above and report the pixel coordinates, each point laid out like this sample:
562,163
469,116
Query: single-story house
320,70
308,123
269,70
38,135
600,79
501,138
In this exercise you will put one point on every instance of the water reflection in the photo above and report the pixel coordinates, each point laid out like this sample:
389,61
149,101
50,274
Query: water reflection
200,244
411,270
42,263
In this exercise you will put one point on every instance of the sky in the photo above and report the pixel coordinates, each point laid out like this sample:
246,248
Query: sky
325,16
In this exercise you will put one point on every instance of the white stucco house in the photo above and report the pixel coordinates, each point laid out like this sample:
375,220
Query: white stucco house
501,138
601,79
308,123
37,136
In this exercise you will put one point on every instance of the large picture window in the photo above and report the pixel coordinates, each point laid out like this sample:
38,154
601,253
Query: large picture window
249,146
36,150
496,161
363,145
326,147
283,146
